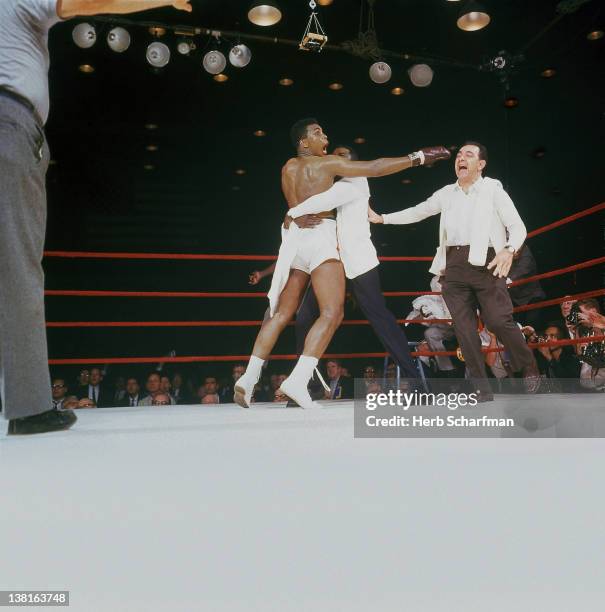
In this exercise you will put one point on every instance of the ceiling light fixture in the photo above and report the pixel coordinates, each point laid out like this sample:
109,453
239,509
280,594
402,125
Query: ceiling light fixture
84,35
473,17
214,62
240,56
118,40
421,75
595,35
511,102
397,91
335,86
286,82
86,68
548,73
220,77
260,133
264,13
380,72
359,140
158,54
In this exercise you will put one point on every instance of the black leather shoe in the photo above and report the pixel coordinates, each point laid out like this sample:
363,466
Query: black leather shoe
51,420
292,404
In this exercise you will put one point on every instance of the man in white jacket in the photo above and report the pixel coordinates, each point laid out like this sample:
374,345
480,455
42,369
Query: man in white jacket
473,260
350,198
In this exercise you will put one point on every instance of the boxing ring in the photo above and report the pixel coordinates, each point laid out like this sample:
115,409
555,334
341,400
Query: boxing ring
253,295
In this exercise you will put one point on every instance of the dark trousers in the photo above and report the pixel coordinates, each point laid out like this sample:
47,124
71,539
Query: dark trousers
368,293
465,288
24,157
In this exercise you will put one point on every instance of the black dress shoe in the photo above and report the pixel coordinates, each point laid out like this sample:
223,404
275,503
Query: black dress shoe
292,404
51,420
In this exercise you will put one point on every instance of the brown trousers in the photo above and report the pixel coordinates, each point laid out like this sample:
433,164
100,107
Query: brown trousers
465,288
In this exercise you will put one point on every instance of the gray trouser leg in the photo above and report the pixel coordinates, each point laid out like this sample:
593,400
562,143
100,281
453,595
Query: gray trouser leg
24,375
434,336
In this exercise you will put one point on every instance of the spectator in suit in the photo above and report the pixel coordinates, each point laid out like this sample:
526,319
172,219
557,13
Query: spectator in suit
96,391
341,387
153,386
210,391
133,393
59,393
179,389
557,361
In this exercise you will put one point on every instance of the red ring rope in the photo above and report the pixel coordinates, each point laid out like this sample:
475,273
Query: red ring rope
208,358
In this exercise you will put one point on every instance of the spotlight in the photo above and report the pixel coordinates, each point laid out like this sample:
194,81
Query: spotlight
152,148
380,72
158,54
185,47
240,56
406,181
595,35
157,31
86,68
286,82
335,86
214,62
148,167
538,152
473,17
511,102
84,35
264,13
421,75
118,40
359,140
151,126
548,73
397,91
260,133
220,77
324,2
240,171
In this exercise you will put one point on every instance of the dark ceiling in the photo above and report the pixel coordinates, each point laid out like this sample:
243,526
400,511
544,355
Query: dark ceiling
102,198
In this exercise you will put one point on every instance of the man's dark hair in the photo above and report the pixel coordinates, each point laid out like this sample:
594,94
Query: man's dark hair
351,150
558,325
336,361
154,373
482,149
299,130
136,380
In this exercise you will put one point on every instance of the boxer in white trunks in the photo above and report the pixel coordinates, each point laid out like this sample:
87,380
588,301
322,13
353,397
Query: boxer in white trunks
314,253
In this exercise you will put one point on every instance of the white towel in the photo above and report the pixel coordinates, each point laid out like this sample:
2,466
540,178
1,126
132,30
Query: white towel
290,241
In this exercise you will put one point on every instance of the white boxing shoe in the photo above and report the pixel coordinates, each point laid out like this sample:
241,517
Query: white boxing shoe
244,388
297,390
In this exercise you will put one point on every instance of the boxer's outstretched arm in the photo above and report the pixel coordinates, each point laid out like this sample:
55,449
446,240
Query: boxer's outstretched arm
72,8
384,166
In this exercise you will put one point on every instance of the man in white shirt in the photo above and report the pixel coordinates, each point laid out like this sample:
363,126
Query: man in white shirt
24,158
473,261
350,198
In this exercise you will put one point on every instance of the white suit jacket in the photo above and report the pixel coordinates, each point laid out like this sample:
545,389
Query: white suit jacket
494,214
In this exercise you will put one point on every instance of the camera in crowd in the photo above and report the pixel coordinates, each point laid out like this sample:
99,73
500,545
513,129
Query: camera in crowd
574,315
